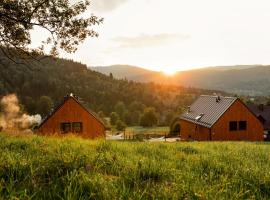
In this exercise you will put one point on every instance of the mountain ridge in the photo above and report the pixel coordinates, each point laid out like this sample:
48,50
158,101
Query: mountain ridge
238,79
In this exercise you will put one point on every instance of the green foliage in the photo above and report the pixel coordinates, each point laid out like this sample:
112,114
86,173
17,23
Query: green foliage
59,18
101,114
30,104
44,105
33,167
149,117
114,118
132,117
128,118
169,117
120,126
120,109
136,106
135,117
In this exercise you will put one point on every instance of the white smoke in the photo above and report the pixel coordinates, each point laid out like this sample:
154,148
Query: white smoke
12,118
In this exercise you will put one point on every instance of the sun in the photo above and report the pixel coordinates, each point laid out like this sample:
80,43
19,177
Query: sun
169,72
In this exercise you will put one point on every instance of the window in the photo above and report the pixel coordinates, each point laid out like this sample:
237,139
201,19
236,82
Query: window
77,127
74,127
233,126
66,127
242,125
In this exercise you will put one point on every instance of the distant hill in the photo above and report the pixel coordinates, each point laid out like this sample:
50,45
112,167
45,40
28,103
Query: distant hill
239,79
123,71
131,73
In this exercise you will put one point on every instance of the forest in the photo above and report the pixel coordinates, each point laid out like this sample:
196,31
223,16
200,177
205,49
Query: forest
41,85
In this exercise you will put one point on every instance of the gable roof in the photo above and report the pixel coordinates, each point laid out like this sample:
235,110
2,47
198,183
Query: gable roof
262,112
75,98
207,110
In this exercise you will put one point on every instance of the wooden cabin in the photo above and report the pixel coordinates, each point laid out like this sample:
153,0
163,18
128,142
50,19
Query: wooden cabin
215,118
70,116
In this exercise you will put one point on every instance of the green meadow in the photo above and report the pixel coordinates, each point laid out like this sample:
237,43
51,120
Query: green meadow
141,132
152,130
34,167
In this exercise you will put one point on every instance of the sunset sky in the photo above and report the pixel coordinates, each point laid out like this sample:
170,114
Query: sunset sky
172,35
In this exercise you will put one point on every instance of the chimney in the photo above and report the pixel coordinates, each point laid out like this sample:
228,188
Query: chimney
218,99
188,109
261,107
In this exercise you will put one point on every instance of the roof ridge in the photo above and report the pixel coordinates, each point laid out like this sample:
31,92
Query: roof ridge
214,96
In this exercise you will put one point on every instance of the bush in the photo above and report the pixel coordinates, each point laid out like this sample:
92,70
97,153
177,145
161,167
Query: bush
120,126
149,117
114,118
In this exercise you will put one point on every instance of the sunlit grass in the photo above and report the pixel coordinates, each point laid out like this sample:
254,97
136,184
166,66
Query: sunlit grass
34,167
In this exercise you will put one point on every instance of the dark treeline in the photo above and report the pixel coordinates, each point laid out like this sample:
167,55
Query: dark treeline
41,85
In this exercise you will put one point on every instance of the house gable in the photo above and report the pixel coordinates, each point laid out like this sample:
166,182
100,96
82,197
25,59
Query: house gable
71,111
236,113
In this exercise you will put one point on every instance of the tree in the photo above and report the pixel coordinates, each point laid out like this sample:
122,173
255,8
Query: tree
132,118
114,118
111,75
170,116
29,104
101,114
128,118
136,106
61,19
120,109
44,105
120,126
149,117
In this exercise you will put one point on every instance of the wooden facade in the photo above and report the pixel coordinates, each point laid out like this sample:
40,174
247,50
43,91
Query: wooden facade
237,123
72,117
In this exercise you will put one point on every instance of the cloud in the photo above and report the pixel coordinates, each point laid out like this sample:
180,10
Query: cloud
145,40
106,5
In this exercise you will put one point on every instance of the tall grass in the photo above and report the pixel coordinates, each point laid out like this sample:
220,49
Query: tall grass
33,167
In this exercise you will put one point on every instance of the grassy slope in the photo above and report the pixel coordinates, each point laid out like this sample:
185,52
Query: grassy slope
67,168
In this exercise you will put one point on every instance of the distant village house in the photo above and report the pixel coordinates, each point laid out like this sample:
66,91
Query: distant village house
215,118
262,112
71,116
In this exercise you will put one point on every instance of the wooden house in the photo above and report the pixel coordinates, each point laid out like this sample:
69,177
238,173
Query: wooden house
218,118
70,116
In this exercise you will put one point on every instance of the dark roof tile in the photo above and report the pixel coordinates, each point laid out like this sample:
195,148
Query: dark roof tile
206,110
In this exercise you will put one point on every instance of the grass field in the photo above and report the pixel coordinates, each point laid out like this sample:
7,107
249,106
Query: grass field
33,167
152,131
